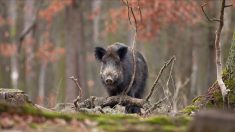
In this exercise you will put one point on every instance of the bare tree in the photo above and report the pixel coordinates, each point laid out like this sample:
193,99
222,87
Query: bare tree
12,12
219,67
28,15
95,9
76,51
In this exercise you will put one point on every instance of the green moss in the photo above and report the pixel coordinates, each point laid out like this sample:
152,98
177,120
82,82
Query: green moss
170,128
189,109
183,120
166,120
231,95
198,99
112,123
31,110
209,104
159,120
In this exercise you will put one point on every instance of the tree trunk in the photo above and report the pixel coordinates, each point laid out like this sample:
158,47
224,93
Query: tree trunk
213,98
29,75
41,83
75,51
211,55
95,9
13,28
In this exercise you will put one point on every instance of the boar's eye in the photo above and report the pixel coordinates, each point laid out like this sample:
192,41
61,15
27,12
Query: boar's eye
122,52
99,53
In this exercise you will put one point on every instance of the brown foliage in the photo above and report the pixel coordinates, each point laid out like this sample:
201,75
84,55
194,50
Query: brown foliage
155,15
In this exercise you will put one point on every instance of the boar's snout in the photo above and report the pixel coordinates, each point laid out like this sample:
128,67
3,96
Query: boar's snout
109,81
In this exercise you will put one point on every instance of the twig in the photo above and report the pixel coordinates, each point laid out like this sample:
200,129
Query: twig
129,15
174,99
155,106
228,6
77,84
167,83
130,9
141,18
170,74
134,64
133,14
208,18
158,77
125,92
79,88
125,2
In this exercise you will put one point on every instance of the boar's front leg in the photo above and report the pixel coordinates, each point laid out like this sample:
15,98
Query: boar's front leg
131,108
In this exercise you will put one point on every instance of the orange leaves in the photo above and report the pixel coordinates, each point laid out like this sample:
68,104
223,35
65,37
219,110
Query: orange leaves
7,50
155,15
48,53
115,17
54,7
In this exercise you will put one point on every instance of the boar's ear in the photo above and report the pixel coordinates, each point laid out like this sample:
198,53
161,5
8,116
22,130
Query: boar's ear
99,53
122,52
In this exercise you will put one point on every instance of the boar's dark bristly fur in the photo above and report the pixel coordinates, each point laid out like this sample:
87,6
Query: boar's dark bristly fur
117,69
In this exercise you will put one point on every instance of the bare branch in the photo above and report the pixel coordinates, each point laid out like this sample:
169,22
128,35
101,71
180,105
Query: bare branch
133,14
124,93
141,18
158,77
167,84
228,6
126,4
77,84
29,28
155,106
75,101
129,15
209,19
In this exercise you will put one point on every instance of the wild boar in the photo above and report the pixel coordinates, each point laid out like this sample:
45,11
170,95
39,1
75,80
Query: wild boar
117,69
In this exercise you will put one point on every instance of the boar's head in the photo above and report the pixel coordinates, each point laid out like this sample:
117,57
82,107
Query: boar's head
111,64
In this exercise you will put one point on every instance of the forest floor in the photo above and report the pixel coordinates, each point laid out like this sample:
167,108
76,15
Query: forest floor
18,113
28,118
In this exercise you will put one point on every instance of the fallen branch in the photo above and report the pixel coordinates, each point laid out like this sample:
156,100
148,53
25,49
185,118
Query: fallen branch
113,100
42,108
93,102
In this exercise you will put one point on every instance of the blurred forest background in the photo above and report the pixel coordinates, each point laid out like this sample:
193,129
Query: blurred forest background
44,42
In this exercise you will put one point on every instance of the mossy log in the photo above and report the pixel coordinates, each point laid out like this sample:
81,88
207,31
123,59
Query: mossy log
13,96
